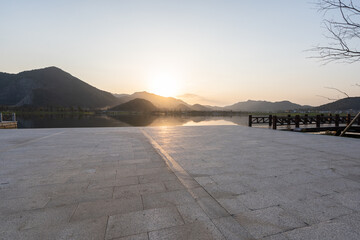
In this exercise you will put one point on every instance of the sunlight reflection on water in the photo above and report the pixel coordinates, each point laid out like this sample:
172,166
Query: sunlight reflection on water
207,123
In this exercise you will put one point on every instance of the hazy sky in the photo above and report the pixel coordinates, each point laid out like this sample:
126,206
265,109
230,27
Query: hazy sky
223,51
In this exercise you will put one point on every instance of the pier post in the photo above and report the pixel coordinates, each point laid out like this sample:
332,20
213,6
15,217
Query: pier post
274,122
348,119
0,117
337,120
289,119
250,120
317,121
270,120
306,119
13,117
297,121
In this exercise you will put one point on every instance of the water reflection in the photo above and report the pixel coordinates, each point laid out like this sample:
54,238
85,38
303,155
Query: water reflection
70,121
209,122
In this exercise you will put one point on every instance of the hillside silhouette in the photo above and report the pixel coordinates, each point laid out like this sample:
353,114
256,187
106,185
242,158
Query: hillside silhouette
51,86
264,106
135,105
345,104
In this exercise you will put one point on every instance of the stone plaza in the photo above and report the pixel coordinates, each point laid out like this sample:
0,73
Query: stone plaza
203,182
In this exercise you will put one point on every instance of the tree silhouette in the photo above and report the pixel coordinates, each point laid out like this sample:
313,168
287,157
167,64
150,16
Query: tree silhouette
342,20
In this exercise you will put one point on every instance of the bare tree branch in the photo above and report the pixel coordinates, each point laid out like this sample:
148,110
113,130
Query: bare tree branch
344,32
332,99
338,91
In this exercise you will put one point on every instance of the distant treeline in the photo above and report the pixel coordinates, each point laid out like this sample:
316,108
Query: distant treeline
46,109
178,113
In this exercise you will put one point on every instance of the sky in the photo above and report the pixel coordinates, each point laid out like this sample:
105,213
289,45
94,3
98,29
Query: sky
210,52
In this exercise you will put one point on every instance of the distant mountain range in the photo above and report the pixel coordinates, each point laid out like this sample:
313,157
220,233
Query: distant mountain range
264,106
163,103
54,87
51,87
345,104
137,104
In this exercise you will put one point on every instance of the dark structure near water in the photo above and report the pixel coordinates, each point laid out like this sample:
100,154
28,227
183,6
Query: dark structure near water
317,120
8,120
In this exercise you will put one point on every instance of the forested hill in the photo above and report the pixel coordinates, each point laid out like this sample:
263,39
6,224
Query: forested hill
51,86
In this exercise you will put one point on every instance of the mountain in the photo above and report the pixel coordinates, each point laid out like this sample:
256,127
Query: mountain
163,103
264,106
120,95
199,107
351,103
51,86
182,107
135,105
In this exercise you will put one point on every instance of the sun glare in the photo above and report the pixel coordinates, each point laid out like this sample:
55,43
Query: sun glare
164,85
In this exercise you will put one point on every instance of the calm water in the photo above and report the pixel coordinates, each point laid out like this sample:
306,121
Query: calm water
69,121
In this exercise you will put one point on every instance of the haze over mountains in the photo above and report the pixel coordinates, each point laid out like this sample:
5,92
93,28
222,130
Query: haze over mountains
264,106
54,87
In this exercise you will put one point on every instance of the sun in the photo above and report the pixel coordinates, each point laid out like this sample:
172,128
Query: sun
164,85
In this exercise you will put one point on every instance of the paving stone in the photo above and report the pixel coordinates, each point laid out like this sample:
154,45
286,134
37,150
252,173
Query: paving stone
348,199
167,199
157,177
325,230
43,217
316,210
199,230
198,192
83,230
173,185
86,196
262,199
142,236
192,212
212,208
233,205
351,220
280,236
258,182
14,205
135,161
106,207
226,190
226,178
118,182
203,181
137,190
328,186
149,171
142,221
268,221
151,164
231,229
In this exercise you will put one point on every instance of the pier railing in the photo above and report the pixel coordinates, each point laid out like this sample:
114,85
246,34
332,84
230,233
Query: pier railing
297,120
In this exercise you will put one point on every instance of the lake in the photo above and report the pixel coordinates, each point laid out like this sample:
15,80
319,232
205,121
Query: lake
72,121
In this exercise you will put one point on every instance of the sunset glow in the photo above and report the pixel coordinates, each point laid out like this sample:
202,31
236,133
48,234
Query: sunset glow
164,85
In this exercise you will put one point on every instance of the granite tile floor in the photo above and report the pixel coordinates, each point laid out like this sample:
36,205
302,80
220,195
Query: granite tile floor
206,182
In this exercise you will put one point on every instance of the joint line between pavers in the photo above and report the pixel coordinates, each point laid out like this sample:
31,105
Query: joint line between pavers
106,226
76,207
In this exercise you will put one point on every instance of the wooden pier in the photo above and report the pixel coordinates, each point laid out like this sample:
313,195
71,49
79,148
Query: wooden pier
8,120
305,120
